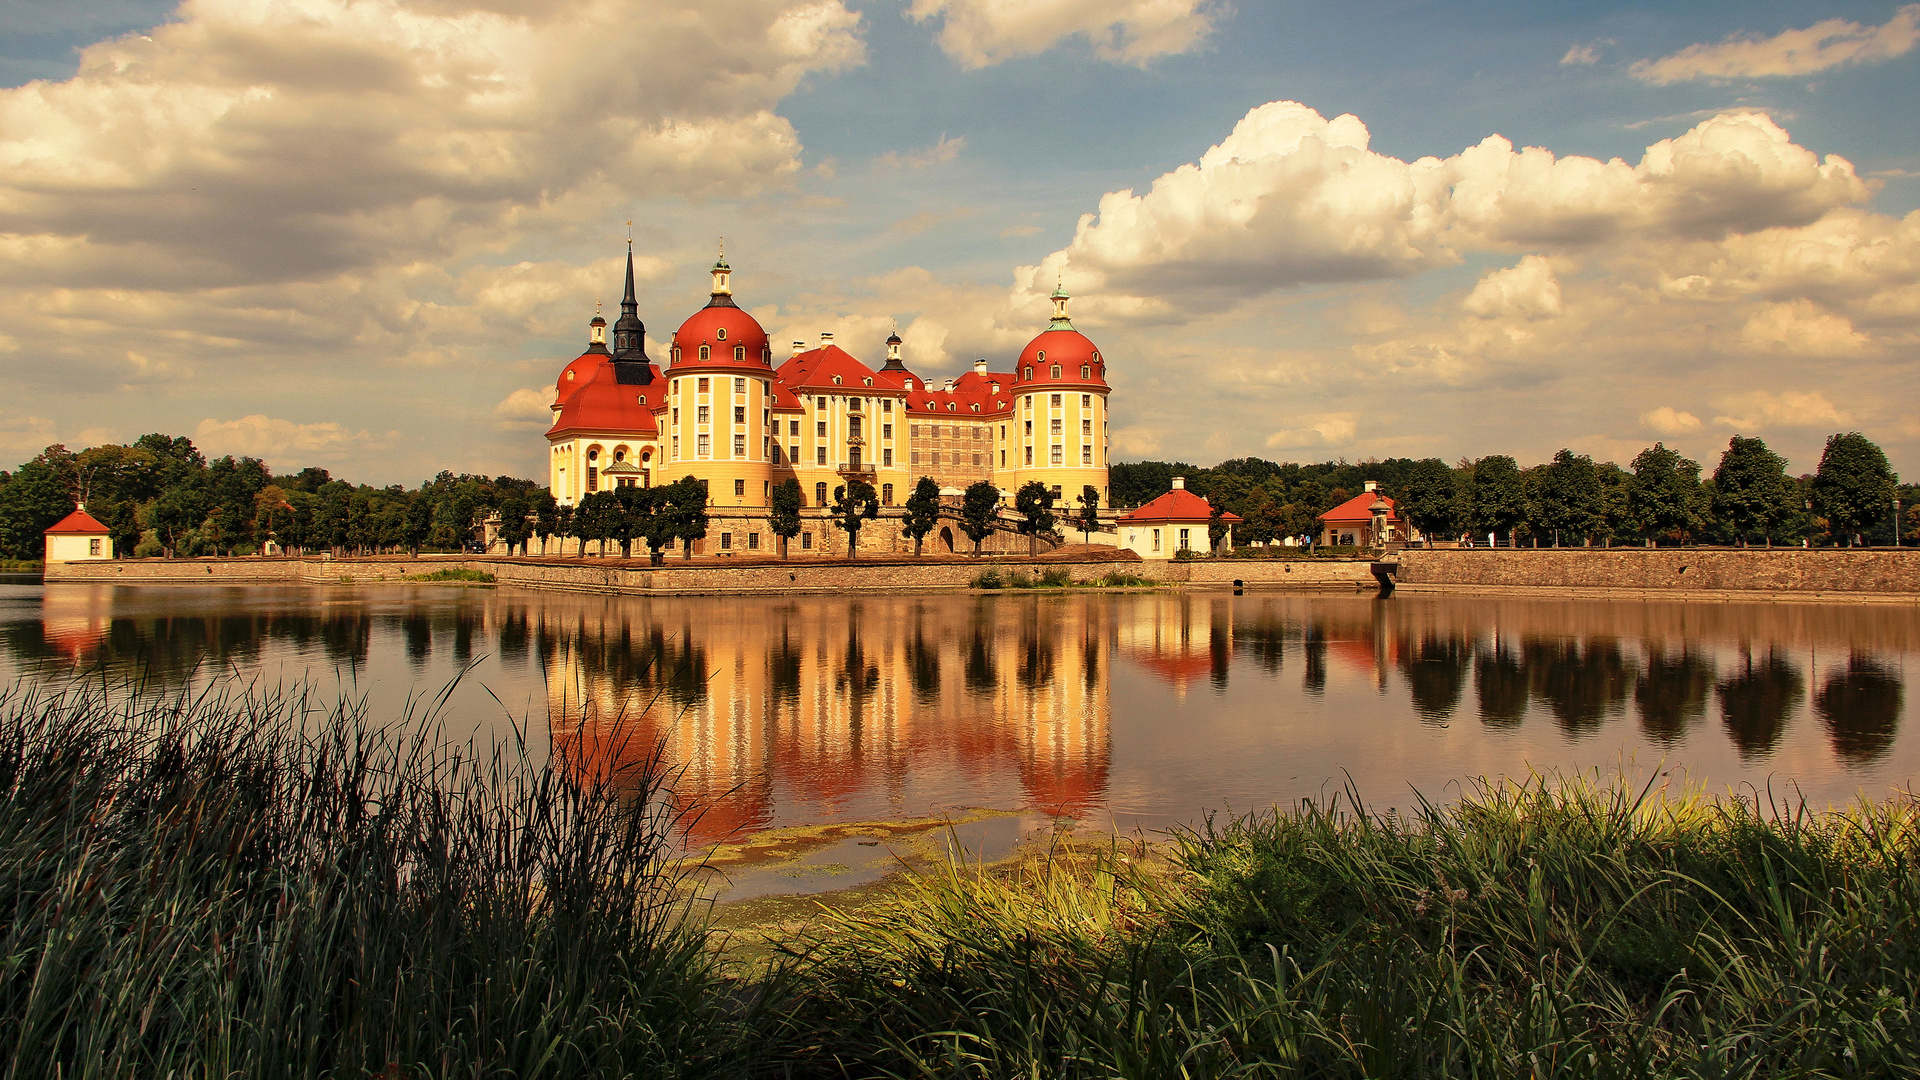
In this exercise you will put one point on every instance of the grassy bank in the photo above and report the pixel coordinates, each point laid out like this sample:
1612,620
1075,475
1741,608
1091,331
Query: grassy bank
1060,578
247,885
455,573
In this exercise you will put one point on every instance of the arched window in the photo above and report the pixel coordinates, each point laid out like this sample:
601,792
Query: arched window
676,354
705,353
1029,374
721,333
740,352
836,380
1086,371
1056,371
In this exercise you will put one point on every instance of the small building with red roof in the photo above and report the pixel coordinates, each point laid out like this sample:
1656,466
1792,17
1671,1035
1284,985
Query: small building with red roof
1172,523
1351,523
79,537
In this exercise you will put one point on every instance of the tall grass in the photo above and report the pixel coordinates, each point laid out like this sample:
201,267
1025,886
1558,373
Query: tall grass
248,883
1536,929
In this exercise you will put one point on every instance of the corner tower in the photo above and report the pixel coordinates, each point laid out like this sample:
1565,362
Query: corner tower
720,400
1059,434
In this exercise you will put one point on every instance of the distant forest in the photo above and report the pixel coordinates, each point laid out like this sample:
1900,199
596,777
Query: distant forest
159,495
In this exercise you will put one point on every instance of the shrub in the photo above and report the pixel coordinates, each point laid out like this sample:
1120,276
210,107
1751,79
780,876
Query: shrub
454,573
989,579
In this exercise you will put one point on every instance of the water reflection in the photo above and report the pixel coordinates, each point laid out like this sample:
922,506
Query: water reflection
786,710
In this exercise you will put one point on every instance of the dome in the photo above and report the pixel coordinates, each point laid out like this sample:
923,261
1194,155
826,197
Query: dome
578,373
1067,350
723,330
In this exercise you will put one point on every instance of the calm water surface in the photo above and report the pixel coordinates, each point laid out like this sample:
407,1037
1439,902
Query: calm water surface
1142,710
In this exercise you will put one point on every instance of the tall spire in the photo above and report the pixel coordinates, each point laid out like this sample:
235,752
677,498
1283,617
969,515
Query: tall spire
629,333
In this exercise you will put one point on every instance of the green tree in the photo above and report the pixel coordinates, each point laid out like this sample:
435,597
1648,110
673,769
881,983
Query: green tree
34,498
854,504
1665,497
1568,500
1751,490
515,526
417,527
546,517
783,512
599,518
684,506
1854,486
1216,526
1496,495
1429,499
1089,519
978,508
923,511
1034,503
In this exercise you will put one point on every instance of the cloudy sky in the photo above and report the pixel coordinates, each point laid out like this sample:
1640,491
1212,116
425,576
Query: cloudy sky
365,234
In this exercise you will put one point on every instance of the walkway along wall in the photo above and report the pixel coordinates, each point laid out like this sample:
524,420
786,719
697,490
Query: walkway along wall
1798,574
714,577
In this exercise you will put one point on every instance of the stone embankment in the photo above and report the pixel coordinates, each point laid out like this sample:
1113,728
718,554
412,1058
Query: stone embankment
711,576
1799,574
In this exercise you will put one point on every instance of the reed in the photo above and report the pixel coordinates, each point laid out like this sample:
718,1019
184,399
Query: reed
1580,928
249,883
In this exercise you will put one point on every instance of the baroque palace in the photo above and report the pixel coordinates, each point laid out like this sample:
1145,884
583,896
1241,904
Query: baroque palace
720,410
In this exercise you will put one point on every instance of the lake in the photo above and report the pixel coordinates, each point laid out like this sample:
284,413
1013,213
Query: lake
1139,710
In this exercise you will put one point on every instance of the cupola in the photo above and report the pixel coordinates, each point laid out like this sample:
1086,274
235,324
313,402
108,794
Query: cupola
894,363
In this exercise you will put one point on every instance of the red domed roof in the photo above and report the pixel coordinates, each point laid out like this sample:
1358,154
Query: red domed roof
722,328
579,373
1071,351
602,405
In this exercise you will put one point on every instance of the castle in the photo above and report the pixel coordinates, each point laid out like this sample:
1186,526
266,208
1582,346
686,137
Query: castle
720,411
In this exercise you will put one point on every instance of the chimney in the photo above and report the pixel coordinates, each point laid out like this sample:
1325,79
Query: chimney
1373,485
799,347
1179,483
826,338
949,386
980,366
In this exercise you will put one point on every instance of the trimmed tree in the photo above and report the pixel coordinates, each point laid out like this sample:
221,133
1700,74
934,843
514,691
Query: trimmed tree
684,505
1751,490
515,528
546,518
637,505
1567,497
1089,519
923,511
1034,503
599,518
1430,498
978,507
1854,486
1665,498
854,504
1496,495
783,512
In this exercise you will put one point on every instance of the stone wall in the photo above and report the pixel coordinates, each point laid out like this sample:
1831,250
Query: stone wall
715,576
1743,574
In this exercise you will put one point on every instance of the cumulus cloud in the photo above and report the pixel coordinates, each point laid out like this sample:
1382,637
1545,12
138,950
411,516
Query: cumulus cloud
251,141
1666,420
1760,410
1320,432
1292,198
1528,291
527,407
1830,43
23,436
1801,328
283,443
940,153
980,33
1580,55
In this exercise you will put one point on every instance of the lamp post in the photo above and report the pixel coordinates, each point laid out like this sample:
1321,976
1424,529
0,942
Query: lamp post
1896,519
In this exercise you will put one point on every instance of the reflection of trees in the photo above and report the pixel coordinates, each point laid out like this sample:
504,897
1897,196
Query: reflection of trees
923,661
982,679
1581,682
168,650
1756,703
1672,693
1860,708
1263,639
1035,665
1436,672
1220,645
1313,649
418,633
1500,684
514,636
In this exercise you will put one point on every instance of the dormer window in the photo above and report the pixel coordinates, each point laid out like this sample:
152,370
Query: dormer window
1029,374
866,382
976,408
740,353
643,399
569,376
706,353
836,380
1056,371
1086,371
996,387
1041,356
721,333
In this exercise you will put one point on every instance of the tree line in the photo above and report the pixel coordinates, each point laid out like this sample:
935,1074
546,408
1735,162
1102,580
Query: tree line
160,496
1660,497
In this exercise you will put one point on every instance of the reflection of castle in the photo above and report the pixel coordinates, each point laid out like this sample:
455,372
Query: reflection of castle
816,703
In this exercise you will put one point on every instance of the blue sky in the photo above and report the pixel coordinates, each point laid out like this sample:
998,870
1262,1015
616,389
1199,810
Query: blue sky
365,234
